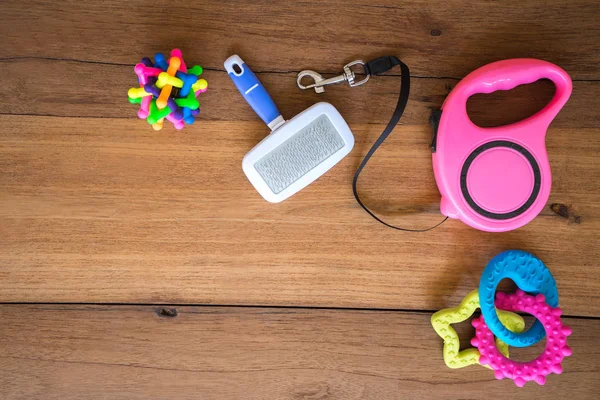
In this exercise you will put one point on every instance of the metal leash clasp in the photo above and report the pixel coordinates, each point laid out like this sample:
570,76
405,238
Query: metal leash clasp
320,82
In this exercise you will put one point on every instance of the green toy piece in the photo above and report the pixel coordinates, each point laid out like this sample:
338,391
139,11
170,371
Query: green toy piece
190,101
156,114
135,101
195,70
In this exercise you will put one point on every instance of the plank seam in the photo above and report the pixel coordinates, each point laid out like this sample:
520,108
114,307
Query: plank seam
16,58
274,307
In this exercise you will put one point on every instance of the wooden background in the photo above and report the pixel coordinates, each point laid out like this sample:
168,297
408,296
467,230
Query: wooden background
143,265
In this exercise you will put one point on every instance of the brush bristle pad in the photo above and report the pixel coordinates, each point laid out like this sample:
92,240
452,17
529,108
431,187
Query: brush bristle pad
299,154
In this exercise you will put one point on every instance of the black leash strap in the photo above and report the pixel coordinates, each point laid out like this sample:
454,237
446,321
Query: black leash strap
376,67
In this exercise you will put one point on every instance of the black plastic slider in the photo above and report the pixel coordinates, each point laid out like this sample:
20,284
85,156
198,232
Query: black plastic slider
434,121
381,65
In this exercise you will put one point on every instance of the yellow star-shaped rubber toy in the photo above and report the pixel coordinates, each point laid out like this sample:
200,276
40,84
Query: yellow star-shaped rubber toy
441,320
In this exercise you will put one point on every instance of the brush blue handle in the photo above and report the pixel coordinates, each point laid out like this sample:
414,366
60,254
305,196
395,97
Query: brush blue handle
252,90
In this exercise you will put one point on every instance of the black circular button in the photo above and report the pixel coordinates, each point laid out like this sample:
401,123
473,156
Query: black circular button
536,176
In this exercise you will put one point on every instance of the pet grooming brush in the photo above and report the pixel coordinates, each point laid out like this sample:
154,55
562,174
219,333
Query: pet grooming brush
296,152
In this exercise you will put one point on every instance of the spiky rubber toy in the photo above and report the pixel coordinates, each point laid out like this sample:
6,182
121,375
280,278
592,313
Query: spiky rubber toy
550,361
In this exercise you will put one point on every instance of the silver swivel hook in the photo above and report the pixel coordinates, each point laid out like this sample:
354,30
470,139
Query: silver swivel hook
320,82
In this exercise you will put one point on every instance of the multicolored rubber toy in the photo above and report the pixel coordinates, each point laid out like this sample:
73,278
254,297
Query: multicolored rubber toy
168,89
530,274
495,179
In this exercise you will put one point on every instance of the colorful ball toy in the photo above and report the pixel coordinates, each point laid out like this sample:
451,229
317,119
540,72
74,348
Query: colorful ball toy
498,321
168,89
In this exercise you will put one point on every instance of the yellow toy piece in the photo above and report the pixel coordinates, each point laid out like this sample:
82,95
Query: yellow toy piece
166,79
158,125
136,93
441,320
165,91
200,84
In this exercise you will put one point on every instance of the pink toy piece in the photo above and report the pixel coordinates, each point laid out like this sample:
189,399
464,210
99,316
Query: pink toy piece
144,72
144,110
178,53
177,123
496,179
142,79
550,361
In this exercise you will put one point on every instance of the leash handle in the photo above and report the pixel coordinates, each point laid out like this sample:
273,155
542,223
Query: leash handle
506,75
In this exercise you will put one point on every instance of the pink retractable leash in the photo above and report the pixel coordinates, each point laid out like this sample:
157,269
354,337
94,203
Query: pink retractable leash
493,179
496,179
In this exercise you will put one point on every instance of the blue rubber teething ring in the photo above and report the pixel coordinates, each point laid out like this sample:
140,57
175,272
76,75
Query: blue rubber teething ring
532,276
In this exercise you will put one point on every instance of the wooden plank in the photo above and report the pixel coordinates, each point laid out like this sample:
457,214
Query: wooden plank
436,38
92,90
107,210
127,352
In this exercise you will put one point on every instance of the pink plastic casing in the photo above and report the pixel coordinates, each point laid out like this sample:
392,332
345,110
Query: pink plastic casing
500,179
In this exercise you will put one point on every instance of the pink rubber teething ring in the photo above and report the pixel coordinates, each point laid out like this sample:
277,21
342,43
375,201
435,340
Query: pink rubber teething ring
550,361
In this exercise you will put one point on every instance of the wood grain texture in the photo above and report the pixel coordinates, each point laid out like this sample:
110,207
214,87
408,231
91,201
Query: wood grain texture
95,207
107,210
128,352
75,89
436,38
